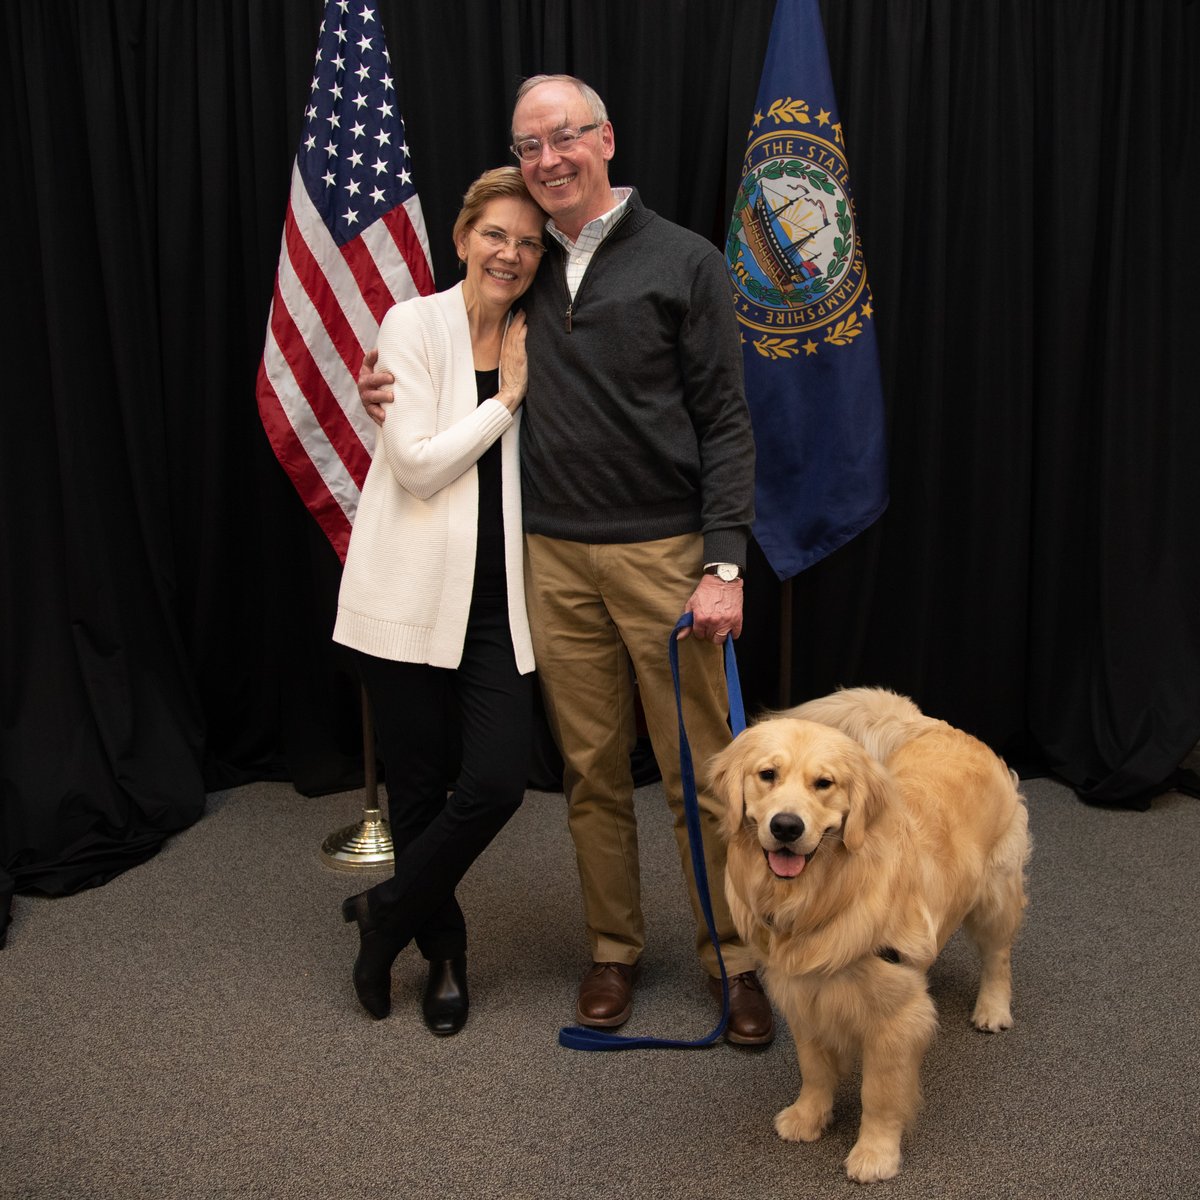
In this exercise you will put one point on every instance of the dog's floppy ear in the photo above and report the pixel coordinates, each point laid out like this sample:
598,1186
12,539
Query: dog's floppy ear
870,786
725,782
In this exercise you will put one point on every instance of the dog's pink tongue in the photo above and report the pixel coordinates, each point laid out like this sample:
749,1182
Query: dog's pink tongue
785,864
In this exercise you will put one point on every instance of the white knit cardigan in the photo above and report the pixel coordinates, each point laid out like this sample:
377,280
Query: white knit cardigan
406,587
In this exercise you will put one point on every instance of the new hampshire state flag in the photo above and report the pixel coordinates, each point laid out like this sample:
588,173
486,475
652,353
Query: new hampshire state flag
805,311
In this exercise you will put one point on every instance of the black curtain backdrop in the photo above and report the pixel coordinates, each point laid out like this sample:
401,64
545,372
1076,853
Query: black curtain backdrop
1026,175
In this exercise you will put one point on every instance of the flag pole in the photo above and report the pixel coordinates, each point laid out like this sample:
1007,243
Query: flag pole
785,644
359,237
368,843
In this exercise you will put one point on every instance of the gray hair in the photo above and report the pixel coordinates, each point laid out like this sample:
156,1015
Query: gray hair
590,96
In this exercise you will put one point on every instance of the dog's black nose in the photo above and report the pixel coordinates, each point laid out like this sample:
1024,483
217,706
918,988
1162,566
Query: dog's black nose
786,827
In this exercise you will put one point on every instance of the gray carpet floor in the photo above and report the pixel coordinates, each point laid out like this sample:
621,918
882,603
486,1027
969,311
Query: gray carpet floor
190,1030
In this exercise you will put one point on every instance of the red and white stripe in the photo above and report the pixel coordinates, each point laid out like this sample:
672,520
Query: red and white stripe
325,315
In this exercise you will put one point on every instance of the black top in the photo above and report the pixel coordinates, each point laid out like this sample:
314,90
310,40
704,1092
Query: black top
489,551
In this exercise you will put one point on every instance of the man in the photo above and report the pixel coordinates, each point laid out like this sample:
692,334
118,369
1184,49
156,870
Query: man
637,484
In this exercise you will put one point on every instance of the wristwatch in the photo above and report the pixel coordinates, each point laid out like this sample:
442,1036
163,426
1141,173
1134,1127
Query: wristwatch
725,572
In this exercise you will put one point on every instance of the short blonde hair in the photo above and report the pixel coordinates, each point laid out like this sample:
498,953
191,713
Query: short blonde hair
496,184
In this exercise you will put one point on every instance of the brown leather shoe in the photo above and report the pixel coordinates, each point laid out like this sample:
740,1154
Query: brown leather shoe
751,1022
605,995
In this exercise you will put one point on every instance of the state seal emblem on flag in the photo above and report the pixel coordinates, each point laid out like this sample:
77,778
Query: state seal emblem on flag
793,253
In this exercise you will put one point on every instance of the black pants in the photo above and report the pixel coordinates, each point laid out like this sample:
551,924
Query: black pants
467,731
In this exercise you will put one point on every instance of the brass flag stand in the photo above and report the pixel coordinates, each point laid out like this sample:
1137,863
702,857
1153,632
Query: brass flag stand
367,843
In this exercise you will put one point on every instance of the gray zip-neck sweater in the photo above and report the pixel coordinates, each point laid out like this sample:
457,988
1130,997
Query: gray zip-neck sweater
635,423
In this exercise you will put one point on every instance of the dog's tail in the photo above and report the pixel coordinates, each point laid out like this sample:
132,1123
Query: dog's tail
881,721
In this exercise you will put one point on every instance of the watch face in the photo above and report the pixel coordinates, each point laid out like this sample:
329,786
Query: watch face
727,572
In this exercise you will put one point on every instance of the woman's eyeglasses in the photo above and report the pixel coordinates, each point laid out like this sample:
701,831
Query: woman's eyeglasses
497,241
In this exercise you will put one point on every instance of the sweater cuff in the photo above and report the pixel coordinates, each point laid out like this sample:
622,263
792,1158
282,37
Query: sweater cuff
726,545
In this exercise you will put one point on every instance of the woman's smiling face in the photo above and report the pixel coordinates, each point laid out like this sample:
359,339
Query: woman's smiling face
497,274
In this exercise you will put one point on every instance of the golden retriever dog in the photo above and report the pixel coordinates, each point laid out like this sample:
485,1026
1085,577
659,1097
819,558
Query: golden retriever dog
861,834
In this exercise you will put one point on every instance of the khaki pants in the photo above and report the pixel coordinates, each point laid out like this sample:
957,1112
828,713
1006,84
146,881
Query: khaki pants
595,612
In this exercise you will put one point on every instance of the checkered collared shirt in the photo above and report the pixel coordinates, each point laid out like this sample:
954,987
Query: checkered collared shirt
580,251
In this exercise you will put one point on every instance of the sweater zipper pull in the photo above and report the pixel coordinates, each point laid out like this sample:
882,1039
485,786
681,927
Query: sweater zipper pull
569,307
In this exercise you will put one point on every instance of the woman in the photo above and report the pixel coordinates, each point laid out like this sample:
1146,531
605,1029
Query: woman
432,597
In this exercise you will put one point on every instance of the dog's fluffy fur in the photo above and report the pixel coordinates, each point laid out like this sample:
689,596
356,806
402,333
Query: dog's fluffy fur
861,833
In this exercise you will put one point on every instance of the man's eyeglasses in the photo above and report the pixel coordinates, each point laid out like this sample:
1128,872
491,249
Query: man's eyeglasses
561,141
497,241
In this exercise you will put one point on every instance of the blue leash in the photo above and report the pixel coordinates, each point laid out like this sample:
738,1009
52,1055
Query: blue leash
577,1037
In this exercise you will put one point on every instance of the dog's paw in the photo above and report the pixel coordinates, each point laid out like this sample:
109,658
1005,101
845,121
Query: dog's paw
873,1163
991,1016
801,1122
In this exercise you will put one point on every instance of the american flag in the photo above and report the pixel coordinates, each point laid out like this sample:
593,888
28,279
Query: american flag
354,244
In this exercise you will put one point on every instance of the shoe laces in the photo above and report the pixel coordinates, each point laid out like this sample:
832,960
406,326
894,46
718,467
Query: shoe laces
748,979
612,968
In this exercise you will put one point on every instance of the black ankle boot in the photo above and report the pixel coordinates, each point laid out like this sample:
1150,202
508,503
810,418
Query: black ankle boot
377,950
445,1003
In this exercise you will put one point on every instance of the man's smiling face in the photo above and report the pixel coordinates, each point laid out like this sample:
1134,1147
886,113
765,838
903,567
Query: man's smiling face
573,186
